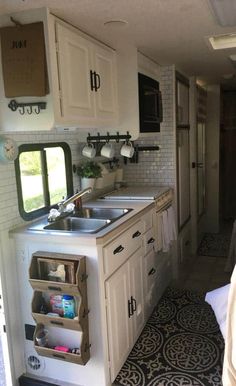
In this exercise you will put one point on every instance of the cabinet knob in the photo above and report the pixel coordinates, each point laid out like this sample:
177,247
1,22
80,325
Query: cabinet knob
136,234
118,249
151,240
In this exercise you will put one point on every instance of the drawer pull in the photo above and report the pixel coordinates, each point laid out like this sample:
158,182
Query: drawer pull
57,322
151,240
54,288
136,234
151,272
130,308
134,304
118,249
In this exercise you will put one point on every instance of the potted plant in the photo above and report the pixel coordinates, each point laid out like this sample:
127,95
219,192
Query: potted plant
88,172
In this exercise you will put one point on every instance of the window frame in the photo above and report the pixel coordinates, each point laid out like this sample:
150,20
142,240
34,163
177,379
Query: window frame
68,170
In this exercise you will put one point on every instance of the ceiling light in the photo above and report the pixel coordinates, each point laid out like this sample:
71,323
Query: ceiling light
116,23
220,42
224,11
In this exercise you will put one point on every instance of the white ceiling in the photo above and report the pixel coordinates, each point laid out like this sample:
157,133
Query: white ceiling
168,31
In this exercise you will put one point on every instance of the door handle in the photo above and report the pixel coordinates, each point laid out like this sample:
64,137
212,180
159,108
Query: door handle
130,308
118,249
134,304
200,165
97,81
151,240
136,234
92,80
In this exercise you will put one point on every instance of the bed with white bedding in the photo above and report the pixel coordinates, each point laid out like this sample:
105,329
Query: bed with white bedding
223,303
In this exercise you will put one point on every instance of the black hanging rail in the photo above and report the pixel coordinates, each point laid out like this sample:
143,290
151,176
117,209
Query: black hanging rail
116,137
29,108
148,148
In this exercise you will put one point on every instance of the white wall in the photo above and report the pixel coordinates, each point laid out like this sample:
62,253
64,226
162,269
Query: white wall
212,158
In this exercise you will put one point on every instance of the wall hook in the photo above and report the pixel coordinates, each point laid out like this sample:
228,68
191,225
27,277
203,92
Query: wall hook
22,110
29,110
37,110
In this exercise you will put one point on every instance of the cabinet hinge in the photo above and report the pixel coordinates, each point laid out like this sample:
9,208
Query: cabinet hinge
57,46
60,94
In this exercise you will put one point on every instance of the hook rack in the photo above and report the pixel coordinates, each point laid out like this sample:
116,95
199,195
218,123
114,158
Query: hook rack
29,108
98,138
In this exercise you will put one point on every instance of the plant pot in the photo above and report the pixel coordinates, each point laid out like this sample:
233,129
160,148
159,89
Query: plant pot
87,183
106,180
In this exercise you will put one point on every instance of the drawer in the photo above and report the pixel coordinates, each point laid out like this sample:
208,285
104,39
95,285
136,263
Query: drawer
119,250
149,240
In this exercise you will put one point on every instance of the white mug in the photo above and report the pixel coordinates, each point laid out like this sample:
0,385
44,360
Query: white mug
127,150
89,151
108,150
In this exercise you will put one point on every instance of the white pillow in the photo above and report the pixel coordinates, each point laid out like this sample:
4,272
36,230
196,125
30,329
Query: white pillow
218,300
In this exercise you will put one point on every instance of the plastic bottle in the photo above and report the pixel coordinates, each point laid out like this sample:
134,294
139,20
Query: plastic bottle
68,304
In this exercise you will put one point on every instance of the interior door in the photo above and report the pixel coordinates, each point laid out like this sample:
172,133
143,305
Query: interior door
74,62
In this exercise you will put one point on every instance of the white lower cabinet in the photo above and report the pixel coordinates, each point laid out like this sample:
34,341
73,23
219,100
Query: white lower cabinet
150,281
125,310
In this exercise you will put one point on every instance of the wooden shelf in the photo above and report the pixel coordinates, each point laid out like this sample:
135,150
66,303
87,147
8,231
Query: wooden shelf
74,283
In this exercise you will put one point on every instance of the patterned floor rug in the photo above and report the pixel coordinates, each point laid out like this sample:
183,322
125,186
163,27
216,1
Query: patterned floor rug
181,345
214,244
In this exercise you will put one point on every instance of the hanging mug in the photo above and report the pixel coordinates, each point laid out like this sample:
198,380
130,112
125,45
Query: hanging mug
108,150
89,151
127,150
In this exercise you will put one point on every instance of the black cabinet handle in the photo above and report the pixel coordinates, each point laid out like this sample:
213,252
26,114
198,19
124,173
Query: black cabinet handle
130,308
118,250
136,234
151,272
151,240
54,288
92,80
97,81
134,304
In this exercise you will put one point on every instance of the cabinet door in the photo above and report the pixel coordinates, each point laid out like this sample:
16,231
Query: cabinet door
150,281
74,65
136,280
119,334
106,95
182,103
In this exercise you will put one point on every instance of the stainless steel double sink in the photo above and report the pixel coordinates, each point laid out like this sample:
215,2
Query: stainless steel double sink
88,220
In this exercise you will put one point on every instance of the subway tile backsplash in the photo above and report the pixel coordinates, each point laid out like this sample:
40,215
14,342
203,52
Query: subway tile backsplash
158,167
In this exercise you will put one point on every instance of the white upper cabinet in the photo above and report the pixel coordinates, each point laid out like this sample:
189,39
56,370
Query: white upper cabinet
87,80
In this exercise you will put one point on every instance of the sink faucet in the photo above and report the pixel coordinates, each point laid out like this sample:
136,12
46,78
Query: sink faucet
62,205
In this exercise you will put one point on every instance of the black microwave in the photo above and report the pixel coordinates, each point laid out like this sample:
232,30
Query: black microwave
150,104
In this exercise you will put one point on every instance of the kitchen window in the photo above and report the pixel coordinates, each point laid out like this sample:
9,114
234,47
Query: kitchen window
43,177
